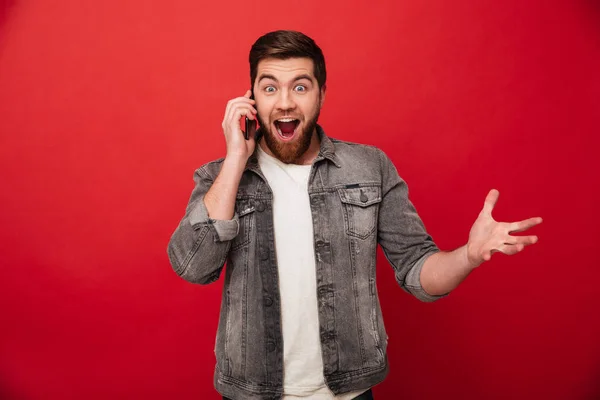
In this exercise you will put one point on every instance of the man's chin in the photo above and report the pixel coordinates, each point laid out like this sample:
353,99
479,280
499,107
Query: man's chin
290,150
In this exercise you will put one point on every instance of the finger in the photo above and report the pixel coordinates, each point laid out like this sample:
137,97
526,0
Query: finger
487,255
490,201
242,120
524,225
245,98
524,240
239,104
510,249
238,113
242,110
233,103
227,112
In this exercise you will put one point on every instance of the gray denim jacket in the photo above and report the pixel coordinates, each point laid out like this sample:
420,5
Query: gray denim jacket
357,200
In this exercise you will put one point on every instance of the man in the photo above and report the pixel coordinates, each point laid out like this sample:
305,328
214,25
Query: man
297,216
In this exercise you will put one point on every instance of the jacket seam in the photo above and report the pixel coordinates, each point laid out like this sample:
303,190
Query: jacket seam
350,374
254,387
186,262
203,170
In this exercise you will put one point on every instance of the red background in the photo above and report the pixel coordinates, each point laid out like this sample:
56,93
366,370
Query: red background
107,107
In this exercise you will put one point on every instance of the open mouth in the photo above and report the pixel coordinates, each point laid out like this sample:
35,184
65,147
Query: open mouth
286,127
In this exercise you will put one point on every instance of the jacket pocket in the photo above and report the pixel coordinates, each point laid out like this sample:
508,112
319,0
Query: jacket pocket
360,207
245,211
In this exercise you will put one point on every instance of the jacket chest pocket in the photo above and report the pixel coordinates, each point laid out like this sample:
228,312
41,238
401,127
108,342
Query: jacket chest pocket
360,208
245,211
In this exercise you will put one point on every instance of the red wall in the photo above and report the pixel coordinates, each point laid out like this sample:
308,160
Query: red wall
107,107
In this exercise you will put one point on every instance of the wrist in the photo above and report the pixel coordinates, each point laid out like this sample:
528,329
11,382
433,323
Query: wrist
234,161
471,259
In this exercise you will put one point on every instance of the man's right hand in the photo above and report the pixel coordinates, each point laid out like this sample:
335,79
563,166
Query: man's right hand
220,198
237,146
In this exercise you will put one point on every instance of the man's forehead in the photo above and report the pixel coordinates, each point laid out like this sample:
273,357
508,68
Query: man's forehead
286,68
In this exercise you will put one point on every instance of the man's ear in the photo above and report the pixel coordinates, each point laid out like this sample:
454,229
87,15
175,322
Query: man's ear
322,97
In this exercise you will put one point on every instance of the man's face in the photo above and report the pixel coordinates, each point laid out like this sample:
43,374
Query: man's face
288,101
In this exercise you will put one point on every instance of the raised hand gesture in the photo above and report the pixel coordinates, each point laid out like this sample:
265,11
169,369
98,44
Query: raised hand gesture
488,236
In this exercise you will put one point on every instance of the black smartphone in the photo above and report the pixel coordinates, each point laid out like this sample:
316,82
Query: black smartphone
250,124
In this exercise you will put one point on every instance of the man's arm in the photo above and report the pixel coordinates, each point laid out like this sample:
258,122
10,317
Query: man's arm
444,271
200,244
402,234
220,199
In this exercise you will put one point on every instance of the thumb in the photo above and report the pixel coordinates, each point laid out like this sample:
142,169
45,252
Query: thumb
490,201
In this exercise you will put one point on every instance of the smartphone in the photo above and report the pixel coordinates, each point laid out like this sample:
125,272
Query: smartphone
250,123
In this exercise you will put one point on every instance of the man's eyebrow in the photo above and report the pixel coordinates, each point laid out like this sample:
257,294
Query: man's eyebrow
303,76
267,76
299,77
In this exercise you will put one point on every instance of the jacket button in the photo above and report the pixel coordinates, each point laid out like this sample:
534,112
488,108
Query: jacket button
264,255
320,243
314,200
270,346
268,301
260,207
363,197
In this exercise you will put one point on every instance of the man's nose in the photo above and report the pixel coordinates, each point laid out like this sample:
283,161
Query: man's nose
286,102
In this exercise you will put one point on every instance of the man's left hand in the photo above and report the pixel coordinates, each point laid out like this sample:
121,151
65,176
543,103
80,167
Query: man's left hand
488,236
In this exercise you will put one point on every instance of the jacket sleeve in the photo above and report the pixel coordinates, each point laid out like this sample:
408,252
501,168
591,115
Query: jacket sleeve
199,246
401,232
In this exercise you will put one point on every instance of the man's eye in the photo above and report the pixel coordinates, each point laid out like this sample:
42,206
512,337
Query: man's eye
300,88
269,89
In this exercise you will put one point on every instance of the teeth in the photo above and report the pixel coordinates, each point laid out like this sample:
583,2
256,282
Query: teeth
286,120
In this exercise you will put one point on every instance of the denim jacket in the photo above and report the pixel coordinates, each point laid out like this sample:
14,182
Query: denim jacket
357,200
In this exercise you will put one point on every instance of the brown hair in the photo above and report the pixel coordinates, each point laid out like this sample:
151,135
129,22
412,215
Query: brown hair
287,44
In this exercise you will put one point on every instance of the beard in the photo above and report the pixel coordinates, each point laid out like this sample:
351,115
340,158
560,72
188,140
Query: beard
289,152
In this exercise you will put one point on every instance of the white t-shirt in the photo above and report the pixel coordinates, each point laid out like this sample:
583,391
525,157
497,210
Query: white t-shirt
303,365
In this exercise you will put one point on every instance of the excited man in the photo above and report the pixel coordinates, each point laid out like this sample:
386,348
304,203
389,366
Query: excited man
297,216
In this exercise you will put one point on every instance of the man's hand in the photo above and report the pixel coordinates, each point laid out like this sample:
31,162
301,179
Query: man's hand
237,146
488,236
220,198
